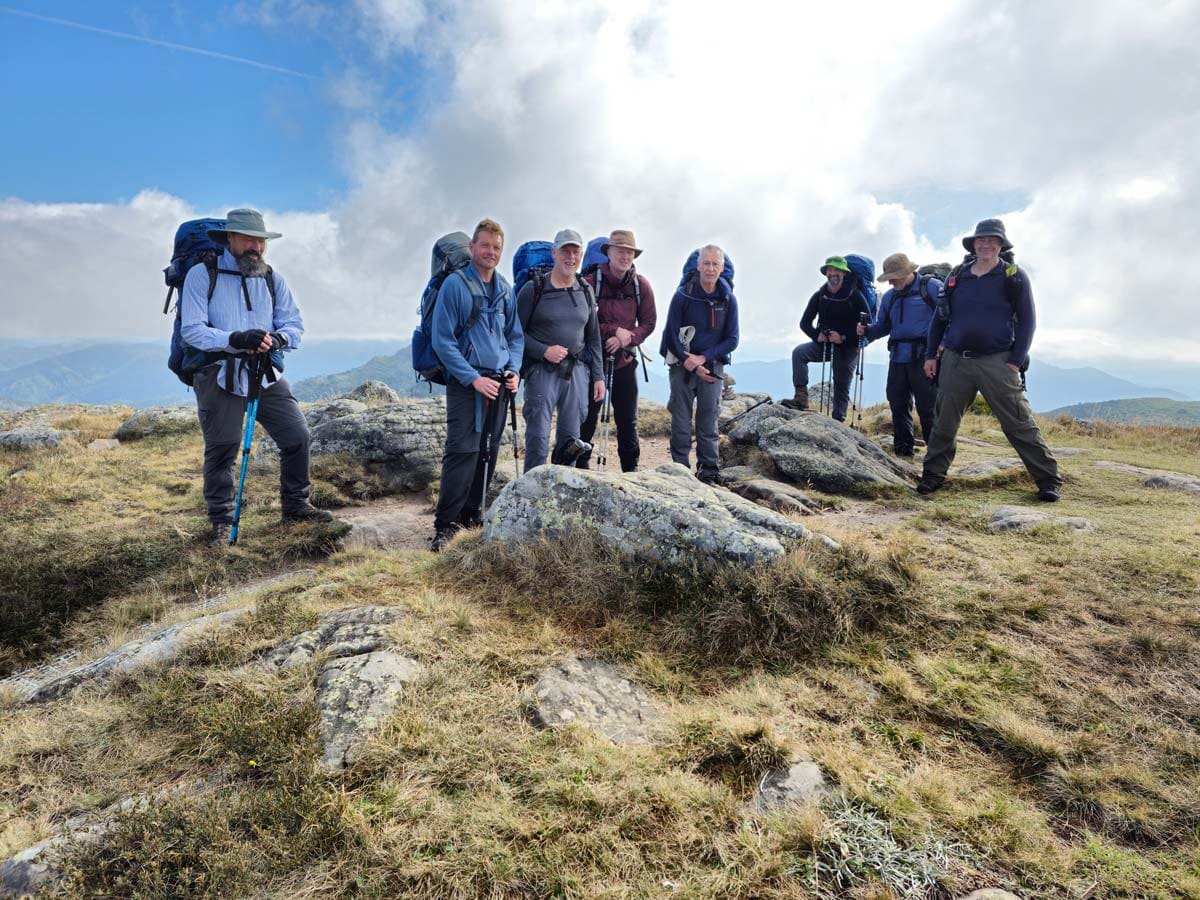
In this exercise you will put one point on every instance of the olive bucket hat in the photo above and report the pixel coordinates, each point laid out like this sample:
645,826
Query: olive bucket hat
988,228
242,221
836,262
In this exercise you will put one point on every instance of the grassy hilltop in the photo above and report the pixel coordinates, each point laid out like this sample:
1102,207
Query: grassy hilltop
997,709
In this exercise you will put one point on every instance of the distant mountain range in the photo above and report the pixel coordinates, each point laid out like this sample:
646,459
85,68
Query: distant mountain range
1141,410
135,373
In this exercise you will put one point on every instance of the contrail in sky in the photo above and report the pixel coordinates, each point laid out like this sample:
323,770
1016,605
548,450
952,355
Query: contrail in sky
157,43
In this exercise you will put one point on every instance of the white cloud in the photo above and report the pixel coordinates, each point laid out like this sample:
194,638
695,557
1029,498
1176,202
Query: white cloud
770,129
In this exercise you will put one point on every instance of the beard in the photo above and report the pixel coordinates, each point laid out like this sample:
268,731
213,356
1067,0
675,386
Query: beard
251,265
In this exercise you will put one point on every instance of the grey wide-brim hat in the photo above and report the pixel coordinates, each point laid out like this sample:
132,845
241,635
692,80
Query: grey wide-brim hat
243,221
988,228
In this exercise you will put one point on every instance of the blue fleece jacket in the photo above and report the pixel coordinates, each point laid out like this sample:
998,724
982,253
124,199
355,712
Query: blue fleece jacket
904,314
493,344
991,313
714,316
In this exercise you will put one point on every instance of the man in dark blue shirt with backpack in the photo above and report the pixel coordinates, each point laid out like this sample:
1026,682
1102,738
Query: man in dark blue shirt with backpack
985,322
904,315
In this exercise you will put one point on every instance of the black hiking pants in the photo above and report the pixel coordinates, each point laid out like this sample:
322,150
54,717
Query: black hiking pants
906,382
624,412
463,464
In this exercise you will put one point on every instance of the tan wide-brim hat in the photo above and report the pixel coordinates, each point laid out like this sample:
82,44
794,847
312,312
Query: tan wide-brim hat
622,237
897,266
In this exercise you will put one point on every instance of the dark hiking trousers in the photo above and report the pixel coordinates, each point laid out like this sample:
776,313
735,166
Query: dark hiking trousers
958,380
845,355
463,465
906,382
222,418
624,412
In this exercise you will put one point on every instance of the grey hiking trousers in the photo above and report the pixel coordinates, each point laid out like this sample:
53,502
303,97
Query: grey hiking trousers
959,377
221,419
546,391
689,392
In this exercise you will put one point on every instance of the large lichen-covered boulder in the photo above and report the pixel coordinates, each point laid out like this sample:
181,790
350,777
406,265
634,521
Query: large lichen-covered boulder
810,448
354,697
33,437
157,421
662,515
401,443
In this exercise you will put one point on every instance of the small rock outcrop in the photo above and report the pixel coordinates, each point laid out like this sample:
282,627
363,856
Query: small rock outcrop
736,405
810,448
594,693
662,515
157,421
33,437
99,445
1024,518
1157,478
354,696
347,632
781,496
401,443
986,467
374,393
801,782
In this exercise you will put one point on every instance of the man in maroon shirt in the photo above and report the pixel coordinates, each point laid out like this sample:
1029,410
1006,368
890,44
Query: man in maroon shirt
625,307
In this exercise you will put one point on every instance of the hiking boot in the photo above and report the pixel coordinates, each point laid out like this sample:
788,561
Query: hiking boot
470,520
219,536
709,478
306,513
1048,494
929,484
799,401
443,536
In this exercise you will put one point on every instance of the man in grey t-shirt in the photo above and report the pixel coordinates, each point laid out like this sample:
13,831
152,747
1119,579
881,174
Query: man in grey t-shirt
562,353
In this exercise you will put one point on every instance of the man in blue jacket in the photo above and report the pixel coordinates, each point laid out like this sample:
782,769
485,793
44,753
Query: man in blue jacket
904,314
985,321
481,363
700,335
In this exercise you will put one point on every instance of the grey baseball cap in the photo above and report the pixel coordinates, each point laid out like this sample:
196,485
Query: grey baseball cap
567,237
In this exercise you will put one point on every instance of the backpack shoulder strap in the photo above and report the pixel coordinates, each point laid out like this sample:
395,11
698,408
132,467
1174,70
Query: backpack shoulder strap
476,300
588,296
210,264
923,290
637,287
270,279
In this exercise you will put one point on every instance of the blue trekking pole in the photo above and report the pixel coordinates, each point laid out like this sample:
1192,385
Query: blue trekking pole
255,375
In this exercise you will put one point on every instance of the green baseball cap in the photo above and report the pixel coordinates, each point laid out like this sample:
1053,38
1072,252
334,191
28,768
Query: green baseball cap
836,262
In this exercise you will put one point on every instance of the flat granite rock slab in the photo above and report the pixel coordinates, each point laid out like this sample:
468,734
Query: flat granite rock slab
594,693
1156,478
355,696
1024,518
802,782
347,632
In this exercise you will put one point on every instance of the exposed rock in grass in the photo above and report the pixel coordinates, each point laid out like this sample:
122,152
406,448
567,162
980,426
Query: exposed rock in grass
985,468
1024,518
162,645
1157,478
101,444
664,515
595,693
157,421
801,782
347,632
777,495
991,894
354,697
374,393
383,530
810,448
33,437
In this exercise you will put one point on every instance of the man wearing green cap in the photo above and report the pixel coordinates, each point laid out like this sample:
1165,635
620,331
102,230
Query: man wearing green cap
244,315
830,320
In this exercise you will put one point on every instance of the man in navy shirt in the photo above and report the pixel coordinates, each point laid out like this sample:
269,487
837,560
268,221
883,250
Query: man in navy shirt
985,323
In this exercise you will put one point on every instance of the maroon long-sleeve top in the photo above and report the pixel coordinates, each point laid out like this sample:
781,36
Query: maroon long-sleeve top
618,306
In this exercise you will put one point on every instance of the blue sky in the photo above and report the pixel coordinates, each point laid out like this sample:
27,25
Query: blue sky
98,118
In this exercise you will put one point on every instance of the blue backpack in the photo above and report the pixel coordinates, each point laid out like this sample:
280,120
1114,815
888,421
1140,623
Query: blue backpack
451,255
532,258
593,257
193,246
691,267
863,268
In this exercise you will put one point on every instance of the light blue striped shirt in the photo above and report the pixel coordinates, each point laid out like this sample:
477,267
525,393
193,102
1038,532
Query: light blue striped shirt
207,326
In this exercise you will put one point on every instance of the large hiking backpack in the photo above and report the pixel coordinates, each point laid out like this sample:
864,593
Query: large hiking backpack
691,269
193,247
593,257
532,257
863,269
451,255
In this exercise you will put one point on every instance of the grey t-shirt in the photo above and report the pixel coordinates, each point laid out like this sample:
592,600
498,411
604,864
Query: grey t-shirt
566,317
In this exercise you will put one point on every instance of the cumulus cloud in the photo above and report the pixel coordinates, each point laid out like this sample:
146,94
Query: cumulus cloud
772,131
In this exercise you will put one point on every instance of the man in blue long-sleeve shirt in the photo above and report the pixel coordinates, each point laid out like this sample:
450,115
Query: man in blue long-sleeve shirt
700,334
244,317
985,323
481,352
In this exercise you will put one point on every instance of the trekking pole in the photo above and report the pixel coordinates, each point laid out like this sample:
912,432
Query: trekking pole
731,422
486,449
513,410
606,411
862,353
254,374
825,354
